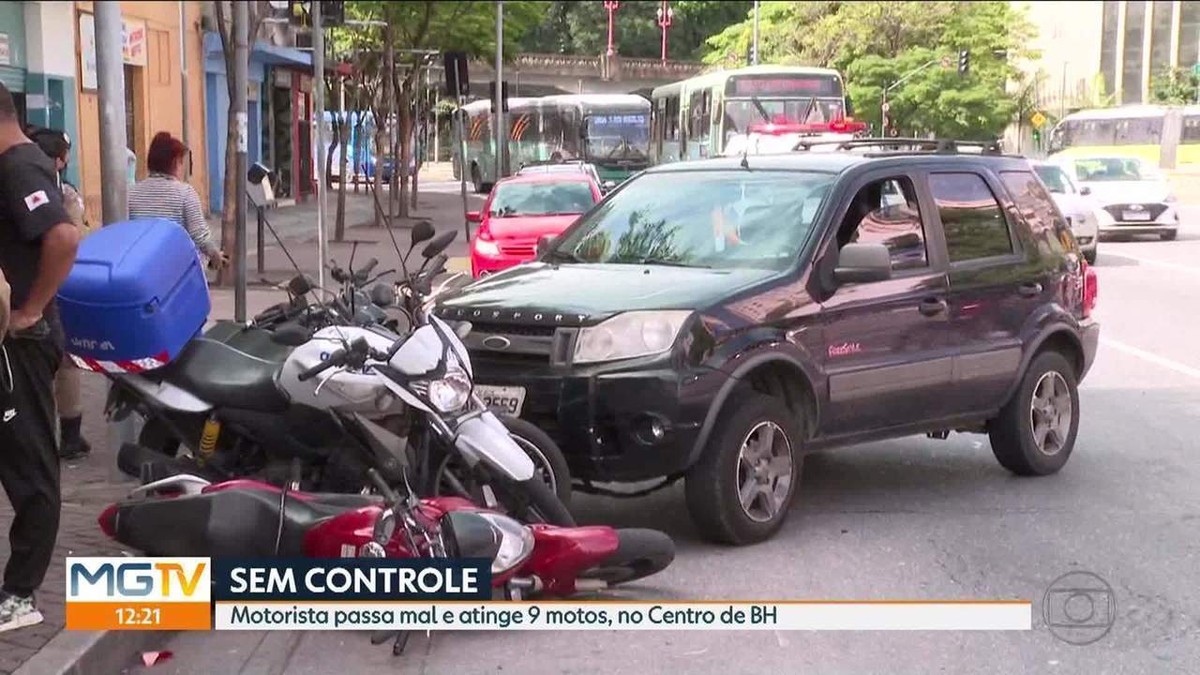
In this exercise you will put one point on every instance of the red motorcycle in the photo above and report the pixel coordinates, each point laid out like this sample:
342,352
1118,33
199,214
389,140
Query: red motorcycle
185,515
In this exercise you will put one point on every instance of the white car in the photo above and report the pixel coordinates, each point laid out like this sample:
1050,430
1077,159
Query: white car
1076,205
1133,196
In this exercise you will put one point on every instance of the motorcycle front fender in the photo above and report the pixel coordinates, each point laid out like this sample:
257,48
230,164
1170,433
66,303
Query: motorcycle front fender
485,438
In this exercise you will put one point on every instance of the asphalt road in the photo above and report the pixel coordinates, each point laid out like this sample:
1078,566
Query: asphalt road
912,518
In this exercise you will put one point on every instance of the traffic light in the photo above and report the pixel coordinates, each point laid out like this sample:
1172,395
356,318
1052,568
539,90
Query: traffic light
964,62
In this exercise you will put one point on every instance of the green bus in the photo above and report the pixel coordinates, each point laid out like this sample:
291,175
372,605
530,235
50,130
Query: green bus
697,117
609,131
1166,136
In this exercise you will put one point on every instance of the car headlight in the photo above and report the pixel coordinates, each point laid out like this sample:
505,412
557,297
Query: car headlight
629,335
451,392
474,534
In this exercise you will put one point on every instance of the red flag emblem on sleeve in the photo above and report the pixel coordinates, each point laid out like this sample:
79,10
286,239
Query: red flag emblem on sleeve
36,199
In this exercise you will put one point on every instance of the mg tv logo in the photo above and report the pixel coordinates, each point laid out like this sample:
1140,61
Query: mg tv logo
138,579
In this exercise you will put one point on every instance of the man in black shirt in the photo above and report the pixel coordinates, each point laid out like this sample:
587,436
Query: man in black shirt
37,249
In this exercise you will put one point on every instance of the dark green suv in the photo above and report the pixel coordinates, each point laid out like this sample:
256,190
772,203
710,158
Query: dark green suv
714,320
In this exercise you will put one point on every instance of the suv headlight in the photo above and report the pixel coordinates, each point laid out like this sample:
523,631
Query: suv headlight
629,335
451,392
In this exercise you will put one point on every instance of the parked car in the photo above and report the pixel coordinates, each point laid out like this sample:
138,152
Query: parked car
1076,205
1133,195
523,209
567,166
715,322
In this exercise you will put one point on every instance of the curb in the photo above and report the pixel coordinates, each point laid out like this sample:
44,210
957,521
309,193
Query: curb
92,652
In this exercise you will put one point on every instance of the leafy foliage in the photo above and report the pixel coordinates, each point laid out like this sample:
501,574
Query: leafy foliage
875,44
1177,86
572,27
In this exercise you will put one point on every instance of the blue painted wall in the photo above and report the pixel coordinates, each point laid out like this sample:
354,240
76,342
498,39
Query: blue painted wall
60,112
12,23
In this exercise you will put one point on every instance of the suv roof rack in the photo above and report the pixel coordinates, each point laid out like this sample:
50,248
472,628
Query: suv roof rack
905,145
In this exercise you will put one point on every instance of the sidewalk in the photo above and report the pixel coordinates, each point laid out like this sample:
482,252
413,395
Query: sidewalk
90,484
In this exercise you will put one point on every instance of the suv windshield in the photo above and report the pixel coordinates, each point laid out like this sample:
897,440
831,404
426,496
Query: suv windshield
720,219
1055,179
541,199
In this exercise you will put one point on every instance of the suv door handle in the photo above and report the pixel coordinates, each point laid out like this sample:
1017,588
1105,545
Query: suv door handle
932,306
1030,290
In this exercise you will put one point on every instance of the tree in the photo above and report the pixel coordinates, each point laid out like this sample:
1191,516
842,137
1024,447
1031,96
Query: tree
581,28
1176,86
875,44
412,28
255,12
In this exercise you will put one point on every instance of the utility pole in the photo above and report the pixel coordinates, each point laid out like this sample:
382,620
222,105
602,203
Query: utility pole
110,77
183,68
241,65
319,133
498,103
754,46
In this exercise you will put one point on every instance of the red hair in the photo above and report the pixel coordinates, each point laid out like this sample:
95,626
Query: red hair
165,151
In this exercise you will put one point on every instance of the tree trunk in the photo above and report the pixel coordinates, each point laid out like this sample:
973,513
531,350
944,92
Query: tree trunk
389,98
378,179
404,131
229,200
343,174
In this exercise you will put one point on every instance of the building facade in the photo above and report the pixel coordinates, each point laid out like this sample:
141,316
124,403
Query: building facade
163,55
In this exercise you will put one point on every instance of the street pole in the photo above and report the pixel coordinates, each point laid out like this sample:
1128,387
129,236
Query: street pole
110,77
319,114
754,47
498,103
462,158
241,28
114,175
183,68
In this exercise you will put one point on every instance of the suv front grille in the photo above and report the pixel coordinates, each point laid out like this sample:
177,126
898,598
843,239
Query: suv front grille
1117,211
517,344
511,329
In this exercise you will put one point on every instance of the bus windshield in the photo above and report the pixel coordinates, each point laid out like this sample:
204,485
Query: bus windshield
618,136
746,115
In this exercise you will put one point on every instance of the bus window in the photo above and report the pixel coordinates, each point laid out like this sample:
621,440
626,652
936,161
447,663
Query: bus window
701,118
1138,131
1191,130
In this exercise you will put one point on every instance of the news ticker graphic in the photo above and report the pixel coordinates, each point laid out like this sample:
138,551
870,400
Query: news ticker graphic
627,615
445,594
178,593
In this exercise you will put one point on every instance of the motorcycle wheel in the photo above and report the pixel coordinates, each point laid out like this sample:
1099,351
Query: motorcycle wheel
541,499
640,553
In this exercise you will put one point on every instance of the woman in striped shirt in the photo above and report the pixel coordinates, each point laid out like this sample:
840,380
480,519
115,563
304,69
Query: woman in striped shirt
165,194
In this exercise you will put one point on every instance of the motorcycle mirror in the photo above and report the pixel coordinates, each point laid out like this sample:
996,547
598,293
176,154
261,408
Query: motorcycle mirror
439,244
422,231
291,335
383,295
299,285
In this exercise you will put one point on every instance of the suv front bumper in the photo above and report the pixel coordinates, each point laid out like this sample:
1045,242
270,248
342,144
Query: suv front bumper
616,422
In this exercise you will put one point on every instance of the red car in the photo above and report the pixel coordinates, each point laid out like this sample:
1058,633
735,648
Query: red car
523,209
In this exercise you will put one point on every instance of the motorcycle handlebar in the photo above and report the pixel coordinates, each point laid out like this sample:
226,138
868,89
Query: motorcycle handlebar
380,484
366,269
335,359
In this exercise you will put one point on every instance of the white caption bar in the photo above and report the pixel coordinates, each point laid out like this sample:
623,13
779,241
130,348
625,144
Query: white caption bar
899,615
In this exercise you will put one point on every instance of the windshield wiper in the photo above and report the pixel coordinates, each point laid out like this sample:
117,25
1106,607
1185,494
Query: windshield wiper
671,263
565,256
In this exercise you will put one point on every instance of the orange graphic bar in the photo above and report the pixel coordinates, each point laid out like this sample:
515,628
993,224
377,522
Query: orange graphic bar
139,616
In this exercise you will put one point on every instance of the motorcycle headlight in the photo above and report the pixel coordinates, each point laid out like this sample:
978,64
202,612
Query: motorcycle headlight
629,335
451,392
473,534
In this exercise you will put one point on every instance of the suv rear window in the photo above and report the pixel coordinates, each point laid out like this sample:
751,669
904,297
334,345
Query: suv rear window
1037,208
972,218
720,219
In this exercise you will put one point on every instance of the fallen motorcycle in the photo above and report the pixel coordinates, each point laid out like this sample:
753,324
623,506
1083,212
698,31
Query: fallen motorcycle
186,515
225,409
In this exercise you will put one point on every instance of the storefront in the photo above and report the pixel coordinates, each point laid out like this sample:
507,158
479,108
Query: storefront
12,52
270,135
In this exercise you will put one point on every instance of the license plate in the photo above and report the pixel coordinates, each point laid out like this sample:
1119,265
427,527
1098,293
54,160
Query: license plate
1136,215
508,400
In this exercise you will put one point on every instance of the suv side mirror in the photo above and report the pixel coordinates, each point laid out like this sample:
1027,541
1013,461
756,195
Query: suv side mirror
544,243
863,263
1085,190
608,185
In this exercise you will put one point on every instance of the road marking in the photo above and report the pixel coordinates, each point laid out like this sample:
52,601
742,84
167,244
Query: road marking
1153,263
1152,358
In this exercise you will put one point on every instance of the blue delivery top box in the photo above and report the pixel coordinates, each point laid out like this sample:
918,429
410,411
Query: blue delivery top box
137,291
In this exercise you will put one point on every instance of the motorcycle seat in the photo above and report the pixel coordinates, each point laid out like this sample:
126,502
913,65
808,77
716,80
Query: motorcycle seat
253,341
227,377
234,522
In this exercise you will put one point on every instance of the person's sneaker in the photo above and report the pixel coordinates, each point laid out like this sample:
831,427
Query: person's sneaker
17,612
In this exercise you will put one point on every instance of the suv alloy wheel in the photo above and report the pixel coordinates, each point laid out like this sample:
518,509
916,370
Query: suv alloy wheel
746,480
1034,433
